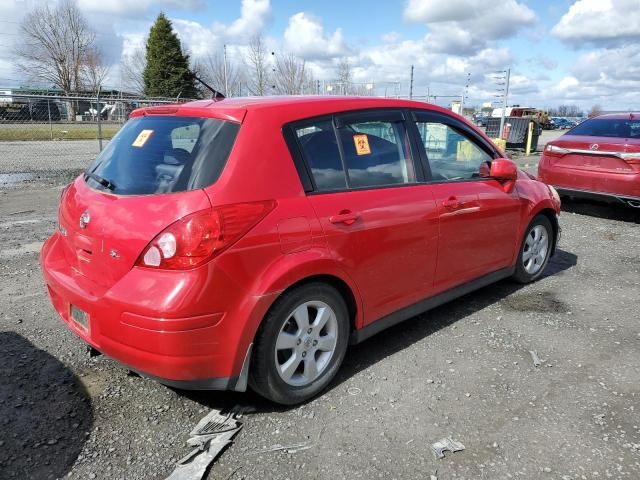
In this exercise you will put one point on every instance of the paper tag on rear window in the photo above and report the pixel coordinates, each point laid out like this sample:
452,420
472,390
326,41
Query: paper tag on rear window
362,144
142,138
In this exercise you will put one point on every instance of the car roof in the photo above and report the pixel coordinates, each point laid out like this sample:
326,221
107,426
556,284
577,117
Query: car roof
293,107
621,116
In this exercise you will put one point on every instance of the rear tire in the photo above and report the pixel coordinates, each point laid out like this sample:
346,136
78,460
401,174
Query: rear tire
535,250
300,344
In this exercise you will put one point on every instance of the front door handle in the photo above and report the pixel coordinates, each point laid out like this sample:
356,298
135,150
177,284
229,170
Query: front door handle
345,216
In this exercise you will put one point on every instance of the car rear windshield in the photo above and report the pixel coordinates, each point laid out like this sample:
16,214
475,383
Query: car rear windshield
163,154
608,127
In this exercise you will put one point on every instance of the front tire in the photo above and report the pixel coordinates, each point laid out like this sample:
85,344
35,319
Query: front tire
300,344
535,250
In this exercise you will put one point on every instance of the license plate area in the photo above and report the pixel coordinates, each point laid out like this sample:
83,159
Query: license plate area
80,317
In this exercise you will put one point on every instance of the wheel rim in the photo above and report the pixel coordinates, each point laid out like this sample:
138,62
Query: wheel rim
306,343
536,247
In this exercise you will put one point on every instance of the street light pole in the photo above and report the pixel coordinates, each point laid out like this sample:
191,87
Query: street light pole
504,102
411,84
226,82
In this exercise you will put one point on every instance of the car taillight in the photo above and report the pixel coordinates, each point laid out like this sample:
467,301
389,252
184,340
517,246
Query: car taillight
632,158
61,229
196,238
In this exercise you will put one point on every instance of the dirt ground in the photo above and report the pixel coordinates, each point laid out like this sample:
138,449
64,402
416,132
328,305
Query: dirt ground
462,371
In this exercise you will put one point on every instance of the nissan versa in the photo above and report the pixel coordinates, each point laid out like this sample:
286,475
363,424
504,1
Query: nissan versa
220,244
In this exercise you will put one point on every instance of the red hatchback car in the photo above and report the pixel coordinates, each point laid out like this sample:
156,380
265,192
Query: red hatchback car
213,245
599,158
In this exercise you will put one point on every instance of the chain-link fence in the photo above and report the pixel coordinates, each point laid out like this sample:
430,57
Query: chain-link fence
53,136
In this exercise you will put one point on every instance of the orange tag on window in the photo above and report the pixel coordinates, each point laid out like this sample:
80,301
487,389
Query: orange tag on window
362,144
142,138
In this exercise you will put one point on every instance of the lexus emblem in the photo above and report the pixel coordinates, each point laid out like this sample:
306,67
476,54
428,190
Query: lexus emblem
593,146
85,218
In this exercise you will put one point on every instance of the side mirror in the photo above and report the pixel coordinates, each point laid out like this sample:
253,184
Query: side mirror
504,170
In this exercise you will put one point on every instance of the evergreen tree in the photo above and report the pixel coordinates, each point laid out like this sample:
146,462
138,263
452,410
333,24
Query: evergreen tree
167,73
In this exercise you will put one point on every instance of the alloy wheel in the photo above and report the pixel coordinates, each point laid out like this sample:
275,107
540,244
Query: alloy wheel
536,247
306,343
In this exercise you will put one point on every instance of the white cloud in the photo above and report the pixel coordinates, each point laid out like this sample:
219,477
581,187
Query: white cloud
600,21
466,26
201,40
305,36
254,16
391,37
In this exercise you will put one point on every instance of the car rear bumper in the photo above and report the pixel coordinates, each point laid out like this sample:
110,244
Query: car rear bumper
178,349
607,197
593,183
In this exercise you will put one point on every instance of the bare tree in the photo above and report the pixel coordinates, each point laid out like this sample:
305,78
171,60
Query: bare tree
291,75
131,71
94,70
595,111
257,61
212,71
53,44
565,111
344,76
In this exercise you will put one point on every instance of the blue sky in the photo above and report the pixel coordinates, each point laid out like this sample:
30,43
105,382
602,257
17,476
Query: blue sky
581,52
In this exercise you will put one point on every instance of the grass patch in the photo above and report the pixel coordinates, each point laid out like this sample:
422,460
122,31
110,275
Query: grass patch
58,132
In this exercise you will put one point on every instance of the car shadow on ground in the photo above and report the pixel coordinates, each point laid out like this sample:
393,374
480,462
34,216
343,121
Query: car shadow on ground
594,208
415,329
45,412
360,357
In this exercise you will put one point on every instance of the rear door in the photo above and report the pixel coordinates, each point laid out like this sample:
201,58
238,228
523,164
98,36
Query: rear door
380,222
479,220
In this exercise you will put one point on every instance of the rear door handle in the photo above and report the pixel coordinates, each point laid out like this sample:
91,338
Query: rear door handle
345,216
452,203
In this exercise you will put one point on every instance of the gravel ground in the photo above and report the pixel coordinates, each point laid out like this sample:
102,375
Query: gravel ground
462,371
46,156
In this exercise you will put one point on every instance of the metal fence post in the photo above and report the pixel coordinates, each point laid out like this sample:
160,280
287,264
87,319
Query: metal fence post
50,126
99,115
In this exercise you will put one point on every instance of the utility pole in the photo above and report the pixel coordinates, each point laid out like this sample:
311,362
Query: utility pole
465,93
226,82
504,102
411,84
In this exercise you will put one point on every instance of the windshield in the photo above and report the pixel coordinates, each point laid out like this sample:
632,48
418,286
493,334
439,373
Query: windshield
163,154
608,127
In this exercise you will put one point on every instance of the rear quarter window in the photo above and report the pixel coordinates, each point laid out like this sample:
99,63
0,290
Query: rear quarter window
164,154
320,150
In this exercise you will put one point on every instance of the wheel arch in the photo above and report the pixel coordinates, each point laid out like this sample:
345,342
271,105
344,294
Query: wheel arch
551,215
336,282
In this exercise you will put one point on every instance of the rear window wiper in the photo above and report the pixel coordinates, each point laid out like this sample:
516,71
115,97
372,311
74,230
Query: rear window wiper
102,181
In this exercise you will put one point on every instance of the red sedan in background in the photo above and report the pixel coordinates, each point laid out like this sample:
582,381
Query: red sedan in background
599,158
217,244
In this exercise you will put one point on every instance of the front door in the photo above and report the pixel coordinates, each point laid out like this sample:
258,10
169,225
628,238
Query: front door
478,218
379,222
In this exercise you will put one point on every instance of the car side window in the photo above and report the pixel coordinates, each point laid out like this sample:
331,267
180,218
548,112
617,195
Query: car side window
320,150
376,153
185,138
452,156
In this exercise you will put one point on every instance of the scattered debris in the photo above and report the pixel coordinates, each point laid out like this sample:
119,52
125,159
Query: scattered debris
288,449
240,410
536,360
209,437
445,444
